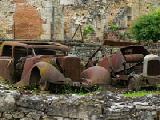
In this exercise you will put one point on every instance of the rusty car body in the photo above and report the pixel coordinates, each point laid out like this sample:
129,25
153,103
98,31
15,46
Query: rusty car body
26,63
40,63
128,66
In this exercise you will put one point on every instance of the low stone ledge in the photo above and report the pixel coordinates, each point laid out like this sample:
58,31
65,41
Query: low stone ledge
93,106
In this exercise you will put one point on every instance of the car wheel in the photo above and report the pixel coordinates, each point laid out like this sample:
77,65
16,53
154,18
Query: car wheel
37,81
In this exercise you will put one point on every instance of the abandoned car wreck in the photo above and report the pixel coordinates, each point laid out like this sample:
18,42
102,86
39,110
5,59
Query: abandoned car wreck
133,66
42,63
29,63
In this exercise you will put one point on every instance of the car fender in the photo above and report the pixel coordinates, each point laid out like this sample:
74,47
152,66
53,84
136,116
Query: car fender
47,72
96,75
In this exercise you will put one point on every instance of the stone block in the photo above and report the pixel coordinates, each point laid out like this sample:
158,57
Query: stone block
8,116
26,118
7,103
34,115
17,115
58,118
83,112
46,28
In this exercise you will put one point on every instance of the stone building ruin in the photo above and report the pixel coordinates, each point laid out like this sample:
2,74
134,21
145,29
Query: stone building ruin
53,19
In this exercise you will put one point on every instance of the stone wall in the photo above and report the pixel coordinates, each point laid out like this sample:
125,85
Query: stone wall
47,19
15,105
85,50
31,19
6,18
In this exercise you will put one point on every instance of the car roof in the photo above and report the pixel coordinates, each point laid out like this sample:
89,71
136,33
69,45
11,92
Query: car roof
14,43
28,44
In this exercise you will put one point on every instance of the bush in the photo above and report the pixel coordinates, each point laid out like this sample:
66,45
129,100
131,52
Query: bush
146,27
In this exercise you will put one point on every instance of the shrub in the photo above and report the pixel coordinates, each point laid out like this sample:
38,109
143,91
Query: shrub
146,27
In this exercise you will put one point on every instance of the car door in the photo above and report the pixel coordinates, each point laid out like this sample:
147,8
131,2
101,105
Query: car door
7,63
20,54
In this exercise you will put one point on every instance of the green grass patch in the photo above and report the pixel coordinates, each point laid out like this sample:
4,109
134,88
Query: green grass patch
135,94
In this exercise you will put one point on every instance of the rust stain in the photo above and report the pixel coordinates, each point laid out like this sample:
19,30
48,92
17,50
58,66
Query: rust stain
27,22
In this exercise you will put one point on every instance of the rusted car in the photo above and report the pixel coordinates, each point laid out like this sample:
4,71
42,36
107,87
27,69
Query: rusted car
129,66
150,75
40,63
27,63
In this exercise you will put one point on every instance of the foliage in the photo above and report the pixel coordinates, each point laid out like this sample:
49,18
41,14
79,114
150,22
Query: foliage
113,27
87,30
134,94
125,35
146,27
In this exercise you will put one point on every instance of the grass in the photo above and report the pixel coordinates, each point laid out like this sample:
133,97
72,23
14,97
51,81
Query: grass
135,94
66,89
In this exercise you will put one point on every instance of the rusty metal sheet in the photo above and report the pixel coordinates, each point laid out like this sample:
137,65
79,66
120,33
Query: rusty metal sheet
118,43
25,44
104,62
14,43
134,58
113,62
46,71
49,73
54,47
71,67
134,49
122,77
27,70
117,61
95,76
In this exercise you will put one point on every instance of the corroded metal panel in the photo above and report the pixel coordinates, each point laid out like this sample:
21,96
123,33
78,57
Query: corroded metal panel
134,58
71,67
96,76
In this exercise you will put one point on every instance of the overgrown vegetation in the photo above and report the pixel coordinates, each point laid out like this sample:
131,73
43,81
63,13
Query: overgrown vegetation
56,89
146,27
135,94
113,27
88,29
67,89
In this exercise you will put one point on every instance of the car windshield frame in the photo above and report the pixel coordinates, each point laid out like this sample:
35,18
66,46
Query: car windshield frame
46,51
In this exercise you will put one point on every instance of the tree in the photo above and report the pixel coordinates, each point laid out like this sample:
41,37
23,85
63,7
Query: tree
147,27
